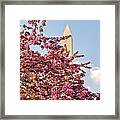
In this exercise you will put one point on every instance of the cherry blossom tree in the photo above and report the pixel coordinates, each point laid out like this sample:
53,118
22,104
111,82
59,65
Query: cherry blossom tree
54,75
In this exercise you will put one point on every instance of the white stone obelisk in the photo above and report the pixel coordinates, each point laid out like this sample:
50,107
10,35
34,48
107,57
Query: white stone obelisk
69,41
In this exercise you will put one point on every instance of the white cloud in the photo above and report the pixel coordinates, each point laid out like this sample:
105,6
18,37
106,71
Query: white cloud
95,74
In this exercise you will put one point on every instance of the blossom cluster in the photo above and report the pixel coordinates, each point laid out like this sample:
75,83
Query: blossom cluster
54,75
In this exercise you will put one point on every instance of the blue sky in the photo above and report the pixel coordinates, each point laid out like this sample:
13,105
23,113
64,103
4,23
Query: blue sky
86,40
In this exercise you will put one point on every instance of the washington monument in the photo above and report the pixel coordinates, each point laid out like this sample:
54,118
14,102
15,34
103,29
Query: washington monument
69,41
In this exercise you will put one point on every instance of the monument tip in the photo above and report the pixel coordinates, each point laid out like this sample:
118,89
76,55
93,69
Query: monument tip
67,30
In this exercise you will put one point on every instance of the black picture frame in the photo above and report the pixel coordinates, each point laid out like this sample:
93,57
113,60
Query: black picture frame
2,60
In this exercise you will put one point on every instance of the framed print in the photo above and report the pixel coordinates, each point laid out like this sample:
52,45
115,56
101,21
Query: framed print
60,59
